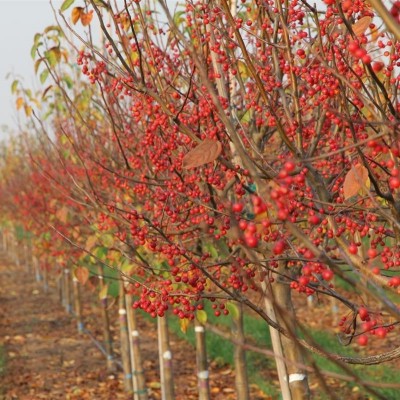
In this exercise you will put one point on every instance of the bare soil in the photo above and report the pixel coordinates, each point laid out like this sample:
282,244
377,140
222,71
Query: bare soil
46,357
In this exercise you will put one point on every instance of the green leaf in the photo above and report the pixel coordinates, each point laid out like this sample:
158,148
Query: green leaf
210,248
53,56
66,4
233,310
126,266
67,79
14,86
201,316
43,76
53,28
36,38
37,64
34,50
101,252
107,240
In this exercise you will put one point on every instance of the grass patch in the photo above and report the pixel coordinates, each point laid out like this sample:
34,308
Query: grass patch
2,366
373,373
2,360
221,351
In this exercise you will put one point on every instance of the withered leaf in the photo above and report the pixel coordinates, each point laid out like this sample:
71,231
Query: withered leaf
355,180
86,18
76,14
361,25
82,274
207,151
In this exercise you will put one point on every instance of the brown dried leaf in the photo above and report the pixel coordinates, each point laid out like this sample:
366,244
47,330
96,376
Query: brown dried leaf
361,25
91,242
207,151
86,18
356,179
76,14
82,274
62,214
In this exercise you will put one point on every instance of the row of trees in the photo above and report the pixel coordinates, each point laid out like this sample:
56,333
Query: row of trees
223,151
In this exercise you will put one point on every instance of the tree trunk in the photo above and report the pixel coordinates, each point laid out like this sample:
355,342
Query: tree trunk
202,364
125,351
139,382
106,327
166,375
77,304
67,291
276,344
297,377
241,379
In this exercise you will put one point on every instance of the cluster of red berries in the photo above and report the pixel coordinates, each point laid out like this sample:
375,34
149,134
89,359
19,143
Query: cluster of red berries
359,52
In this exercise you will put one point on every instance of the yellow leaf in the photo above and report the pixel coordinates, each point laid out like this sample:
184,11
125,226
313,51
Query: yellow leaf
28,110
184,324
243,70
233,309
103,292
107,240
201,316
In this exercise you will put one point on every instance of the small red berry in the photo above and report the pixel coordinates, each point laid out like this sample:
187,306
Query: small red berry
279,247
362,340
314,220
289,166
327,274
381,332
353,249
251,241
363,313
243,224
372,253
237,207
377,66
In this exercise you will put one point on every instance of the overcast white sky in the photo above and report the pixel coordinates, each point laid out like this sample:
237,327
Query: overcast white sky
19,21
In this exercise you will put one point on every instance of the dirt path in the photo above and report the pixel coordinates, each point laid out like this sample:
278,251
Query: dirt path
46,358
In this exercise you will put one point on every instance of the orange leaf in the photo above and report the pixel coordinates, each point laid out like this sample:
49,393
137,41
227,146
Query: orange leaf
82,274
86,18
91,242
62,214
19,102
207,151
356,179
76,14
361,25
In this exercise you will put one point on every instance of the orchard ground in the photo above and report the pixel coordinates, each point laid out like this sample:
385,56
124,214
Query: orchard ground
43,356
